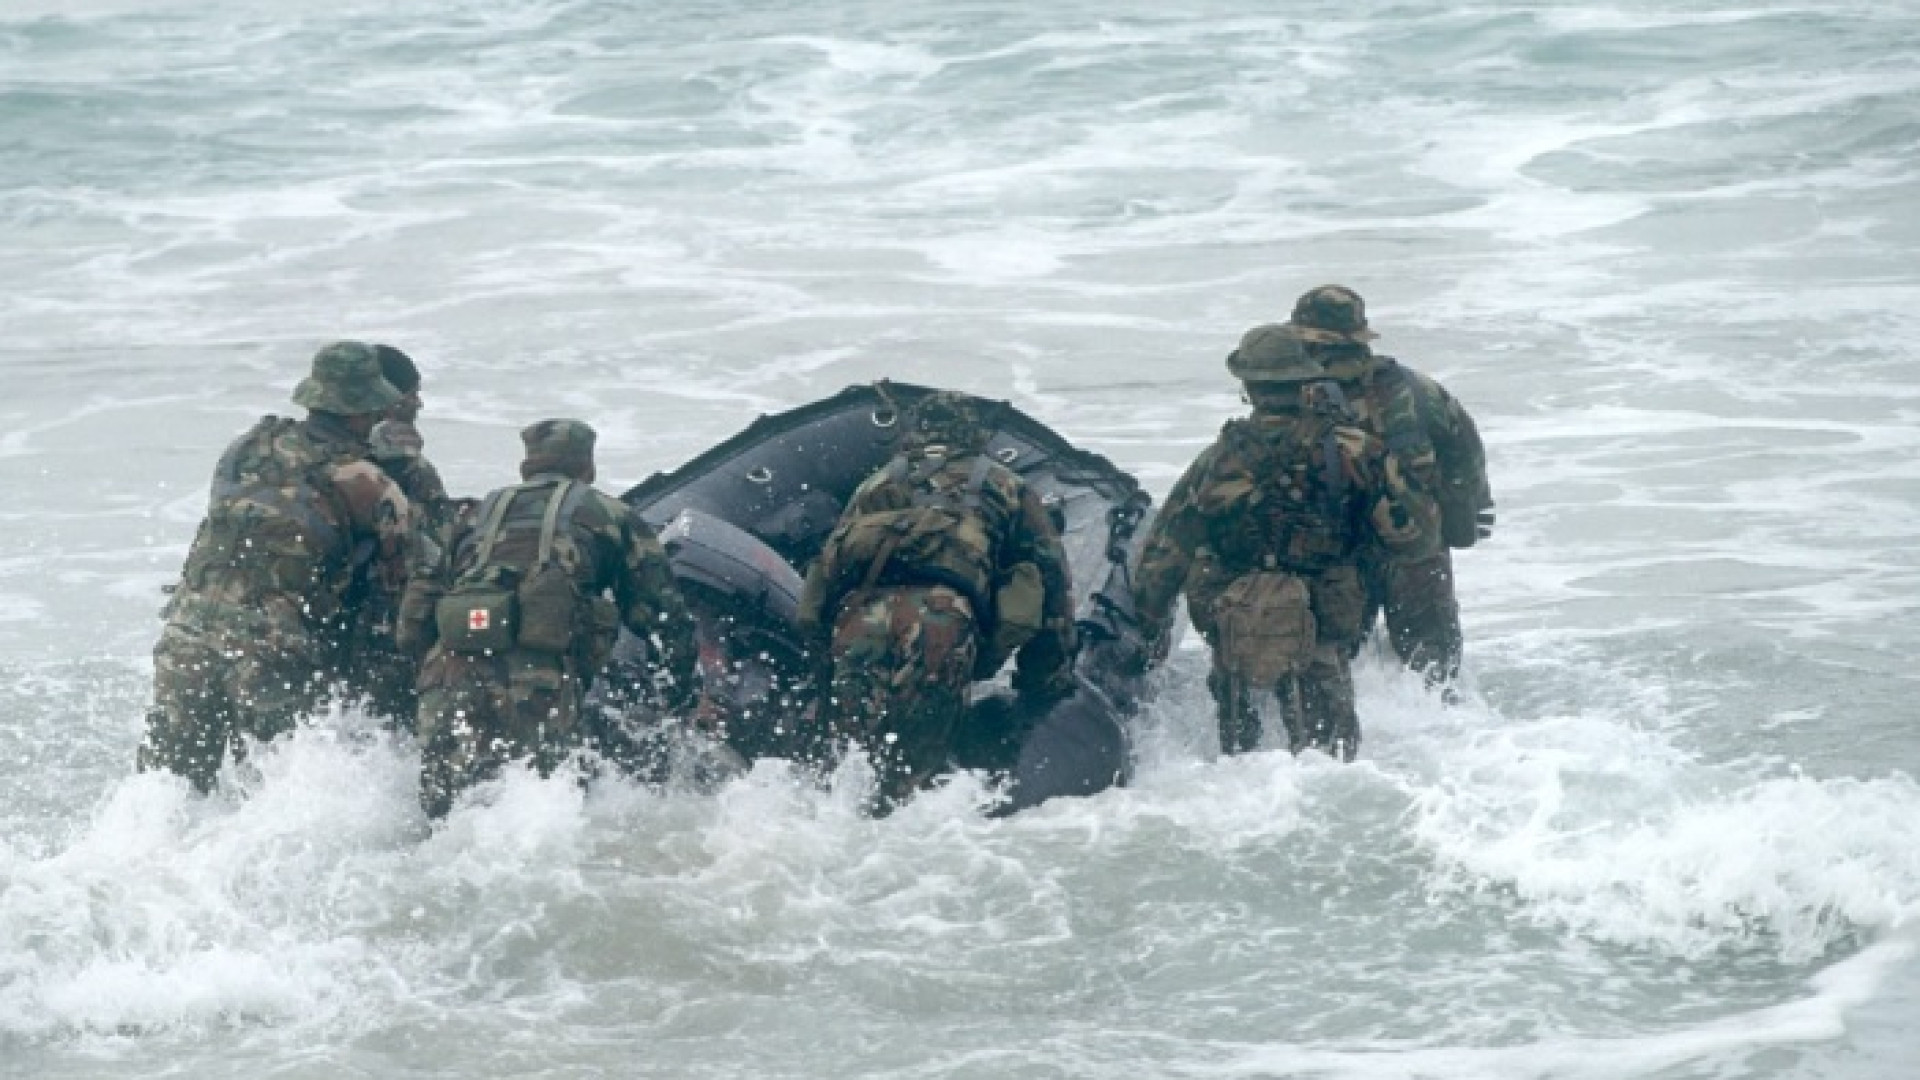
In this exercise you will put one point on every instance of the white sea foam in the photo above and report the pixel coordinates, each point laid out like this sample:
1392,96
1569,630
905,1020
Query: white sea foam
1661,254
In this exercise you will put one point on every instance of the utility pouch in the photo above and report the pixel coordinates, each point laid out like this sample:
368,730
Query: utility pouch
547,602
1017,615
477,617
548,597
1266,627
1339,605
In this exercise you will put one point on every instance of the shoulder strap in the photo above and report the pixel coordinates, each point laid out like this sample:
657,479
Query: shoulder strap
560,507
1332,469
493,513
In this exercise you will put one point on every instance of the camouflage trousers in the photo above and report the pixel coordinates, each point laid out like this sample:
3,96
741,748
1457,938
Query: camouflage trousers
902,674
376,672
1422,614
222,674
479,712
1315,704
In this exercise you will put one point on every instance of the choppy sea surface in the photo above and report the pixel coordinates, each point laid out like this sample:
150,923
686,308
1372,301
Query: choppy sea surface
1666,253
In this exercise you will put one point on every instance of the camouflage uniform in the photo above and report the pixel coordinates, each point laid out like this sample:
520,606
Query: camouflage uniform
254,626
1271,519
481,708
942,564
375,669
1438,448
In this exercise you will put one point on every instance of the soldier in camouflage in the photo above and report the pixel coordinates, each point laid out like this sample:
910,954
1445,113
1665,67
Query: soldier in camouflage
397,444
514,618
374,668
254,626
1263,535
943,565
1437,447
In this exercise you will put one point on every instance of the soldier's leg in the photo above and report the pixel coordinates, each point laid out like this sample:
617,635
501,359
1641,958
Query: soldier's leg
457,704
1233,707
389,680
275,683
860,690
1319,705
191,720
1423,616
542,718
935,646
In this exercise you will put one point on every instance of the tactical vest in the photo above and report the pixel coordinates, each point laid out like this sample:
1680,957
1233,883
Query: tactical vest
1293,513
506,596
275,524
942,538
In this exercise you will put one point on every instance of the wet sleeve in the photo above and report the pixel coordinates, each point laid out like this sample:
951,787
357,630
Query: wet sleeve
815,616
429,572
1465,471
1045,663
424,484
377,510
812,615
652,608
1167,553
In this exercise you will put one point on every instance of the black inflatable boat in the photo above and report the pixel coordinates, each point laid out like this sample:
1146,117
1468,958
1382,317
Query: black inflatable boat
742,520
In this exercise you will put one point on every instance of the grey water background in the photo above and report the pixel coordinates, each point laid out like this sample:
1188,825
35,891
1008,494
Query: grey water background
1664,251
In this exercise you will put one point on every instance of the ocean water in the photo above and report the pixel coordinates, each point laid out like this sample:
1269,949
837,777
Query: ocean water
1665,252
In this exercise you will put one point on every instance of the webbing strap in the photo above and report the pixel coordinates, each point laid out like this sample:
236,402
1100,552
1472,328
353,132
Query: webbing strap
493,515
1331,470
560,504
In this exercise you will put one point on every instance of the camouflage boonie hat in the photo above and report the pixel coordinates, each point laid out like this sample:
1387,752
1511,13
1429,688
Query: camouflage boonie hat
1332,314
346,379
947,416
1274,353
557,443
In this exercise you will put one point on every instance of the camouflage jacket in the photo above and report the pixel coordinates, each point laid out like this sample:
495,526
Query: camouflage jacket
1300,493
1015,529
602,543
400,451
294,506
1432,435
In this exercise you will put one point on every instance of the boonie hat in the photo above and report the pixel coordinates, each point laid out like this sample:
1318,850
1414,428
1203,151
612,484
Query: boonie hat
346,380
1274,353
1332,314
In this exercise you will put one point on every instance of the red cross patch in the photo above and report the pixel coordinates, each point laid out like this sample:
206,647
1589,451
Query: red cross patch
479,618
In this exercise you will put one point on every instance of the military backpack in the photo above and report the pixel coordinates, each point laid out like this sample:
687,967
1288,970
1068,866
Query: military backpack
1417,421
268,528
943,537
496,605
